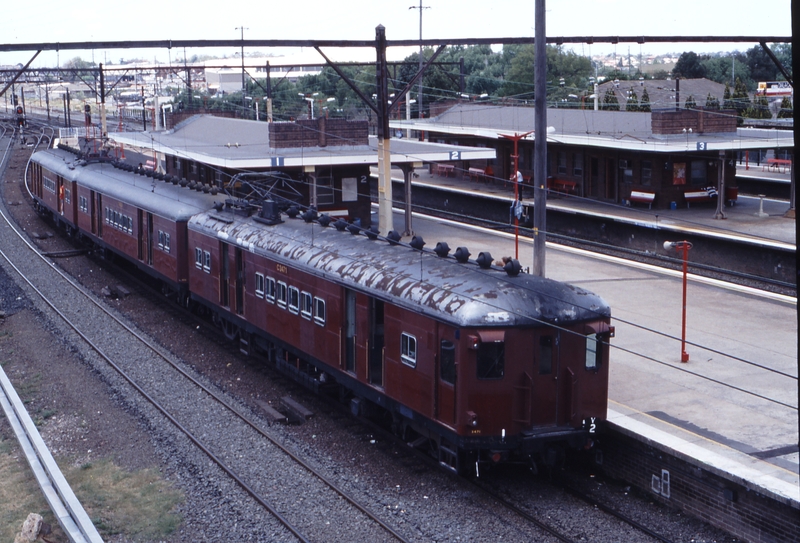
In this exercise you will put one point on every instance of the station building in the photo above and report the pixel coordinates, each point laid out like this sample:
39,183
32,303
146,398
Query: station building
666,158
320,162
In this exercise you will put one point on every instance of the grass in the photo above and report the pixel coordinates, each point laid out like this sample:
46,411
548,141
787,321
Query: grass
139,504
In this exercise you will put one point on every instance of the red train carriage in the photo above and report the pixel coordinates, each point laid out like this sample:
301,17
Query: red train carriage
475,364
139,218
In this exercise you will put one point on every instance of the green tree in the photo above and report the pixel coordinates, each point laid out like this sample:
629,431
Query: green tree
740,99
712,102
759,108
721,68
690,103
787,109
610,102
645,104
632,103
760,64
689,66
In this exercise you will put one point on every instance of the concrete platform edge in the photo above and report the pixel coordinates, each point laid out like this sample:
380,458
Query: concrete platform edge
734,470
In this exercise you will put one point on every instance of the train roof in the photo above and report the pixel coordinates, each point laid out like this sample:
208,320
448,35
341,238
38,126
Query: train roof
158,197
462,294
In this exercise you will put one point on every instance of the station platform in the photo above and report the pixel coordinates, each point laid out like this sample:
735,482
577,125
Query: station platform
753,219
733,407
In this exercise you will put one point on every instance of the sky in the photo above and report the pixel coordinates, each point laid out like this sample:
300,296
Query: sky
50,21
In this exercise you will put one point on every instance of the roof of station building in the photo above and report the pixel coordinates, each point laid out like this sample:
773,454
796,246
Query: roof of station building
243,144
589,128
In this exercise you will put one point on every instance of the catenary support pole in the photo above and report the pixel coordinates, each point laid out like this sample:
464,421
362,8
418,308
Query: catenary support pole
540,144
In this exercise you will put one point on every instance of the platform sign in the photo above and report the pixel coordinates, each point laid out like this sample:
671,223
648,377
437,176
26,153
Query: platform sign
702,145
455,155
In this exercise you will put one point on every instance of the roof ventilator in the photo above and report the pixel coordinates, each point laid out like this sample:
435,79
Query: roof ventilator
417,243
442,249
310,215
353,229
324,220
484,260
513,267
340,224
462,255
393,237
372,232
292,212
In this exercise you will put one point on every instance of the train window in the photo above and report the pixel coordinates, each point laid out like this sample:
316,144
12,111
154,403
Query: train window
294,299
259,285
163,237
207,262
408,350
545,355
269,293
198,258
83,204
319,311
280,294
491,360
163,240
67,196
447,356
305,305
593,351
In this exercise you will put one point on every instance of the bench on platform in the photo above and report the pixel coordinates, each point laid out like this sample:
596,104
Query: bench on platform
445,170
777,164
642,197
563,185
700,196
476,174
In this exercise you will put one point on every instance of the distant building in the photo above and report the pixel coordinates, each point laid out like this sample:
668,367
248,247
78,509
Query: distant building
668,156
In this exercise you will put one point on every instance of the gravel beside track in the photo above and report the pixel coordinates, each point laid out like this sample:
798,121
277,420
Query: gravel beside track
99,415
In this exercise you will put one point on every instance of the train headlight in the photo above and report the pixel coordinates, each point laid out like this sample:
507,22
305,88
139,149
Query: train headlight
472,419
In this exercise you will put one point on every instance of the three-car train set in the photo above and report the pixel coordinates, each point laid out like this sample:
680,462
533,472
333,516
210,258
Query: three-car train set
479,365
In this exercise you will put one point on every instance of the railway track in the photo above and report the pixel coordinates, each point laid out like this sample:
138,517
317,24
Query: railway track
274,490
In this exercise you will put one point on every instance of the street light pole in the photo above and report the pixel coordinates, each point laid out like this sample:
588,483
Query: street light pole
684,247
244,85
419,92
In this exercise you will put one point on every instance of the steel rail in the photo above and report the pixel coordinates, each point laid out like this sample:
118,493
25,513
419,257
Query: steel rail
63,503
144,394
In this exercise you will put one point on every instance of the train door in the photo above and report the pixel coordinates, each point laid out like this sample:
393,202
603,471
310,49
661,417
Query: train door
94,200
446,377
546,380
350,330
224,275
376,342
240,277
140,248
149,240
60,199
